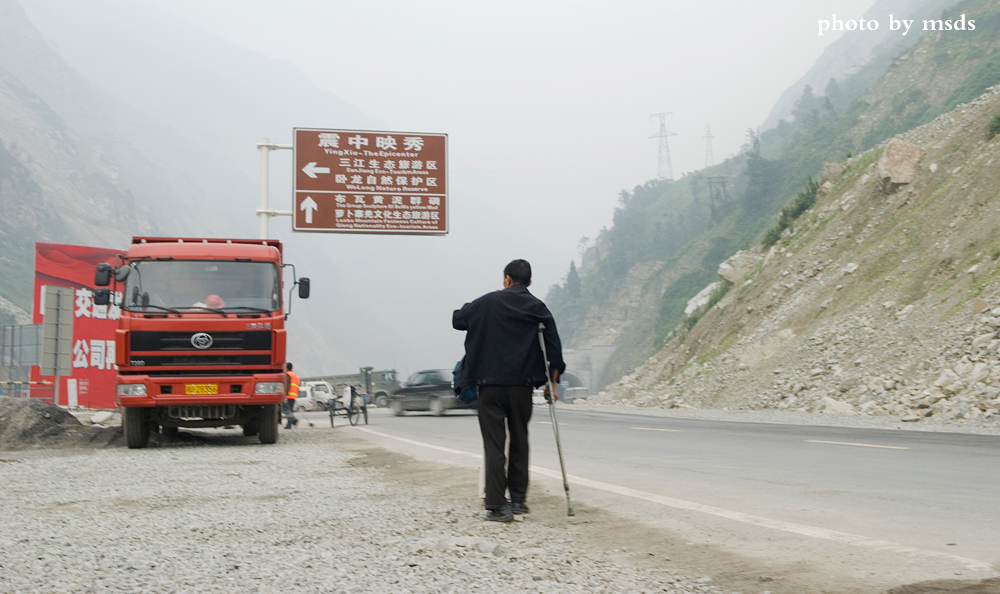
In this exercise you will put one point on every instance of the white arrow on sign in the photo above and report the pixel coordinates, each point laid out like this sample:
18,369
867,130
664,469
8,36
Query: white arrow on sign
309,205
311,170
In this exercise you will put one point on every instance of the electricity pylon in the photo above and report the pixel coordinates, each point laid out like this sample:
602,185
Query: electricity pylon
664,170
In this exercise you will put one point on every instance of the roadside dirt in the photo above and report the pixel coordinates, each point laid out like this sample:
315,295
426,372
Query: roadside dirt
634,544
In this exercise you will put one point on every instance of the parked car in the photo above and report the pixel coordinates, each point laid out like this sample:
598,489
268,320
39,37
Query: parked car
307,400
321,393
431,390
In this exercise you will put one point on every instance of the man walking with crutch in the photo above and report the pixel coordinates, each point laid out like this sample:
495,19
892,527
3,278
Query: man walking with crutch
503,357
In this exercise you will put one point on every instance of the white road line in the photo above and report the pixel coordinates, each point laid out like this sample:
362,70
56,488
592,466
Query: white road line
860,445
655,429
823,533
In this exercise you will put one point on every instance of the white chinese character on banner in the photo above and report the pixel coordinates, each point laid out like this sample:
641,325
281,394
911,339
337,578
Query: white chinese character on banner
345,161
377,199
368,214
100,312
340,198
359,162
355,179
432,181
97,354
416,164
377,214
115,310
357,141
359,199
415,200
385,142
373,164
397,199
109,355
415,181
432,164
434,201
339,213
329,139
84,302
389,165
406,214
340,178
386,180
434,216
412,143
400,180
371,179
404,164
81,353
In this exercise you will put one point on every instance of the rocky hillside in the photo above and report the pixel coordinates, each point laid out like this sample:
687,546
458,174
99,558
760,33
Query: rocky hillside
882,299
669,237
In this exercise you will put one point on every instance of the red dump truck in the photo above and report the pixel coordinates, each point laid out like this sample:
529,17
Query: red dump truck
201,337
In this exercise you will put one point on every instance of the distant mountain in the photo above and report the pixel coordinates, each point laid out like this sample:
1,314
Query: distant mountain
54,185
669,237
855,50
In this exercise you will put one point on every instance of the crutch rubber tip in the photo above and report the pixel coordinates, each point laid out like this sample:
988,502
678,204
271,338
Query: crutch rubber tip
570,512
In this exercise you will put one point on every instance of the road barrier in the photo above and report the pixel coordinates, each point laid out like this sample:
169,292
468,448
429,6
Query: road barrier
39,390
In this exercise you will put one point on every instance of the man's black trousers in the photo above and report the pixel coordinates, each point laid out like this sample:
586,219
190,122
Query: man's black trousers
513,404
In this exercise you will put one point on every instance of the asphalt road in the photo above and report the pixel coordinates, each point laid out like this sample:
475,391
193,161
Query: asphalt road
906,504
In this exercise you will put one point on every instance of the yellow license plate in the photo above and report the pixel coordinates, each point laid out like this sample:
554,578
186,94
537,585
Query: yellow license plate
201,388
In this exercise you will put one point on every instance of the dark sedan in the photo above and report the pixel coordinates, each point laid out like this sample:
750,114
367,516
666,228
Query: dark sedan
429,390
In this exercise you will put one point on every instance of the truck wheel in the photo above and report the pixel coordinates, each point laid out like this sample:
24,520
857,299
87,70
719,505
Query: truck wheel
251,427
267,423
397,408
436,406
382,400
136,427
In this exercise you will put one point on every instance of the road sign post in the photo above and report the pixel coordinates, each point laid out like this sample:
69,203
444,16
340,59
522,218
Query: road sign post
57,334
355,181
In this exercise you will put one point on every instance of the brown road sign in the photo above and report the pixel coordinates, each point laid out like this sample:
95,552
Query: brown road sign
356,181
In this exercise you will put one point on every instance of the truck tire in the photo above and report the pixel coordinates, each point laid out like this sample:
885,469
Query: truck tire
251,427
436,406
267,423
136,427
382,400
397,408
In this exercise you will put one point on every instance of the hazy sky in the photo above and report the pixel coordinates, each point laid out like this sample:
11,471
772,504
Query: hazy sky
546,103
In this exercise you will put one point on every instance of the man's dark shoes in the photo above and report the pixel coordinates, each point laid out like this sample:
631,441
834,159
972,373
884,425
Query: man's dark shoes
519,508
499,515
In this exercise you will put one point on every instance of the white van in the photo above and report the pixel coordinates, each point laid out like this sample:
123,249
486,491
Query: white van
314,396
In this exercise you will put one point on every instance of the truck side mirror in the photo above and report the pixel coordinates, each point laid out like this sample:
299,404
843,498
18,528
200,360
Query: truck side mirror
102,277
303,288
102,296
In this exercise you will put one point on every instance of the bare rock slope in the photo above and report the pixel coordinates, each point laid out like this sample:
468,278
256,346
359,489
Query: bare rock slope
884,301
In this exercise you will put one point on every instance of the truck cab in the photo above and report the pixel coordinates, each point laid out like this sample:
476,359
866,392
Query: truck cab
201,336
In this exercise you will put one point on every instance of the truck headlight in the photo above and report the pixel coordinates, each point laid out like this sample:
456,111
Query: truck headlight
269,388
131,389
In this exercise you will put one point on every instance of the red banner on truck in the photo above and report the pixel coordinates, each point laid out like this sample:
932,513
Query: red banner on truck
91,383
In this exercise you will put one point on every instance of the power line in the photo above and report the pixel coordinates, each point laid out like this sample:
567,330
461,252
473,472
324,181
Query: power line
664,170
709,158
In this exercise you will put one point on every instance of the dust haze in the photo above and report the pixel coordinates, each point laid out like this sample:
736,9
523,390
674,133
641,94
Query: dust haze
547,106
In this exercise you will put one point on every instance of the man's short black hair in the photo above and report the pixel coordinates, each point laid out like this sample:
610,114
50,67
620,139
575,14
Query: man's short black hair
519,271
289,366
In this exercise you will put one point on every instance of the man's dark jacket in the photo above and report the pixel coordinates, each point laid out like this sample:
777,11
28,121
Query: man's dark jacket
501,343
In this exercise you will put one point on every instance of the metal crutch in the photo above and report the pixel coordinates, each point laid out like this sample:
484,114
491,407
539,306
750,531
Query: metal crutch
552,415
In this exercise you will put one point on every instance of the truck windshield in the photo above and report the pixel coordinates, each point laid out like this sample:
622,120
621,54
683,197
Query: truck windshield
200,284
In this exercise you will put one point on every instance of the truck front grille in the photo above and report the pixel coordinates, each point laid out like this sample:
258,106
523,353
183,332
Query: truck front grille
147,341
193,411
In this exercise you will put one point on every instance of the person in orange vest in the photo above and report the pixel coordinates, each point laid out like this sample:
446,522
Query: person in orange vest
293,393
